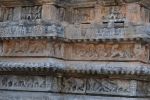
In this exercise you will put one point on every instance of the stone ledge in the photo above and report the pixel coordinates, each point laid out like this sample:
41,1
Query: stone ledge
59,66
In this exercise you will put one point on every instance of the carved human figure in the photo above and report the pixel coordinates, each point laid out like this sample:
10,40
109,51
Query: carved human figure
144,54
57,49
37,46
21,29
22,47
137,50
128,51
80,50
53,28
110,24
29,13
91,50
120,32
100,33
115,51
101,50
36,12
39,29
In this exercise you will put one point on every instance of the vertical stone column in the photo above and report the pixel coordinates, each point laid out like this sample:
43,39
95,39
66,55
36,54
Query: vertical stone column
98,13
133,12
50,13
17,14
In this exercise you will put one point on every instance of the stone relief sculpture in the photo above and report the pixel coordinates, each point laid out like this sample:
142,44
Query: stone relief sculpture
106,51
57,49
105,86
73,85
24,82
31,13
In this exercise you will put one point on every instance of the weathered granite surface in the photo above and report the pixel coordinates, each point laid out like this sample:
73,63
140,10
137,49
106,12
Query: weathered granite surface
74,49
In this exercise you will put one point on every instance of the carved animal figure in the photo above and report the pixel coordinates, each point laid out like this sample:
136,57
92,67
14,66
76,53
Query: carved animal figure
13,81
116,52
23,46
122,86
8,47
36,46
28,82
38,81
72,83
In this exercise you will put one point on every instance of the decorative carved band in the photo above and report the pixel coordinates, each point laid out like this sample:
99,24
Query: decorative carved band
74,85
77,51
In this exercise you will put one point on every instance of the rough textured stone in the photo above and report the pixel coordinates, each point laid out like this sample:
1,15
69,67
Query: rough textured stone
96,48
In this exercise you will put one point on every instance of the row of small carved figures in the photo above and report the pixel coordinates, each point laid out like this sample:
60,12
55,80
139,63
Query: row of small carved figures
34,30
69,84
22,81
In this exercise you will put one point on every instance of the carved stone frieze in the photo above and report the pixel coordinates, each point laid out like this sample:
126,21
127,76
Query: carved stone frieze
74,85
106,86
31,48
31,29
30,83
31,13
108,52
111,29
118,52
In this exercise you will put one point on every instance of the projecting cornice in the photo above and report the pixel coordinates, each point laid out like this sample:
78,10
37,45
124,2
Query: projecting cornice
130,70
72,3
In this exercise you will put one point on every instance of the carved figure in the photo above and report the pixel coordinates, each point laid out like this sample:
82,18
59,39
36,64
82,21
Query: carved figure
36,47
116,52
101,50
38,81
29,13
57,49
6,30
8,47
80,50
90,33
137,50
36,12
28,82
91,50
10,14
21,30
22,47
39,29
110,24
75,84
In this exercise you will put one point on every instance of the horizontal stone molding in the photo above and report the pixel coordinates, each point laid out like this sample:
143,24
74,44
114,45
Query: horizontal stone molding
78,51
72,85
9,95
140,70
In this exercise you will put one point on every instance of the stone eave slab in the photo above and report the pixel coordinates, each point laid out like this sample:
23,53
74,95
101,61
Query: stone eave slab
135,70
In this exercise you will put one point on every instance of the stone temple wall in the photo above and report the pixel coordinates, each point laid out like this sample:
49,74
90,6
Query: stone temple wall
74,49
